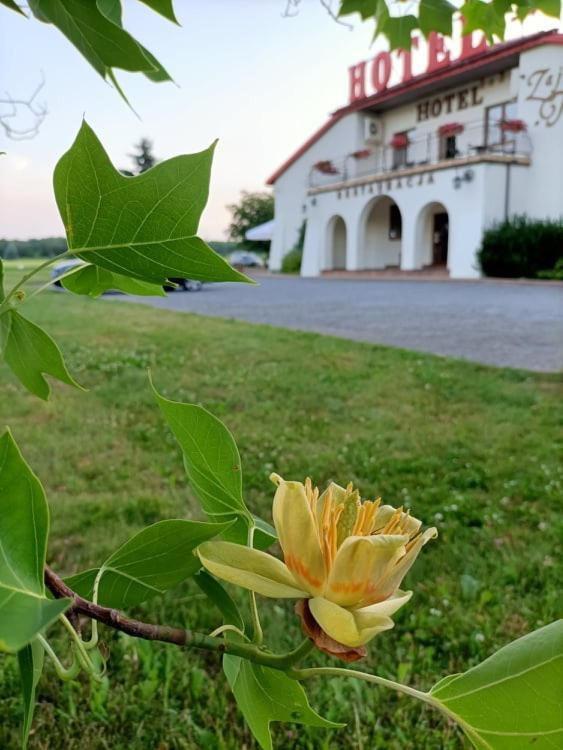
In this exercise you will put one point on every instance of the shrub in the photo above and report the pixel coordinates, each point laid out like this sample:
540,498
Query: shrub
521,247
291,262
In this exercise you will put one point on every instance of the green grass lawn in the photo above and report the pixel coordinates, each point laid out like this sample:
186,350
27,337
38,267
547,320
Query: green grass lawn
468,448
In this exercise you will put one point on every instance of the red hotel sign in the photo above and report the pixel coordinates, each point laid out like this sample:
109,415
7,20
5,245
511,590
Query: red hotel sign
372,77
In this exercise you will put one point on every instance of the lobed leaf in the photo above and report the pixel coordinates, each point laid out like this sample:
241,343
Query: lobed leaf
141,227
152,562
24,527
512,700
30,661
264,695
93,281
436,15
30,353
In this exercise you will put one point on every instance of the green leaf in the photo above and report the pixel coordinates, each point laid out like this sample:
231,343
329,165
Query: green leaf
29,352
483,16
366,8
144,226
30,660
24,527
222,600
164,7
264,695
211,458
111,9
2,295
152,562
12,6
397,29
104,44
436,15
264,536
512,700
94,281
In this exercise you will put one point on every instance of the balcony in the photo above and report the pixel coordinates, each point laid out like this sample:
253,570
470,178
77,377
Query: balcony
419,153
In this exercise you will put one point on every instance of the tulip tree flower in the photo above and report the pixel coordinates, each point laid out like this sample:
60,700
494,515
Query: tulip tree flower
346,557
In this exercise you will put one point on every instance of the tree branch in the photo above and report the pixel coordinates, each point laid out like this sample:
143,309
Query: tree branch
37,110
166,634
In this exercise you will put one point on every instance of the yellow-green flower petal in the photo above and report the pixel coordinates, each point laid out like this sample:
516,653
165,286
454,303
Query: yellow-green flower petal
360,563
298,537
346,626
393,576
250,569
386,608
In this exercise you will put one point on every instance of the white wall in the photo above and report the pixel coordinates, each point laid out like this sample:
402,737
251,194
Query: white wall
290,190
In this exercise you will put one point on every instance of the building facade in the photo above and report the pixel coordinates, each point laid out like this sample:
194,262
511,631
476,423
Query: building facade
410,175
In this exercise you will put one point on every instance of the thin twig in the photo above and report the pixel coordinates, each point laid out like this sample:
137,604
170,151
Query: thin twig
166,634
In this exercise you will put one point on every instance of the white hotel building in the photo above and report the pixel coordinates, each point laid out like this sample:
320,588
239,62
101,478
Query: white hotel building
410,175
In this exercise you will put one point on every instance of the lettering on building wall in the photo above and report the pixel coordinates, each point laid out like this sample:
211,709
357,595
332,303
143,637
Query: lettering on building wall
382,187
546,87
373,76
448,103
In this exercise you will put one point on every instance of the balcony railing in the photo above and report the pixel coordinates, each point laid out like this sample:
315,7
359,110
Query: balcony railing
424,150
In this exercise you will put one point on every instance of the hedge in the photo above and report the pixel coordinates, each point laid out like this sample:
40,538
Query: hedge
522,247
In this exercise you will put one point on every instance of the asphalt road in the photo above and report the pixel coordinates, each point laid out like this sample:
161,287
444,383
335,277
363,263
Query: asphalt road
496,323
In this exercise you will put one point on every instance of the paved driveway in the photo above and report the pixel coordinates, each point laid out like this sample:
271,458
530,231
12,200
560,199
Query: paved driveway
514,325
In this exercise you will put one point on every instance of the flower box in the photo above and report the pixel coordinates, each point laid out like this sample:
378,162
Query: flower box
399,140
361,154
326,167
512,126
450,129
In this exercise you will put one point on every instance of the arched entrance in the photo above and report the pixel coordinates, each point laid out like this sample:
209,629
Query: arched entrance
382,234
336,242
432,235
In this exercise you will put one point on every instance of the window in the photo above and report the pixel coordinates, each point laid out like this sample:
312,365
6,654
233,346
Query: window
448,147
395,222
494,135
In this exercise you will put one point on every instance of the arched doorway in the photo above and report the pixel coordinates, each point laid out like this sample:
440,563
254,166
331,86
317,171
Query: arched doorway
382,234
336,244
432,235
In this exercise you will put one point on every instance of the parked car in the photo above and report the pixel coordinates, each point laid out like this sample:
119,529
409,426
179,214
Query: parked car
59,269
246,259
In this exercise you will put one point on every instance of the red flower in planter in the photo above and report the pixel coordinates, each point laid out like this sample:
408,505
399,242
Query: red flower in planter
450,128
325,167
513,126
399,140
363,153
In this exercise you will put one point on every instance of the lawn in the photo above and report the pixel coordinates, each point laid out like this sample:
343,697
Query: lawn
470,449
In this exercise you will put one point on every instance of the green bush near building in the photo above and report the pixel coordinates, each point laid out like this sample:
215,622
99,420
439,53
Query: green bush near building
521,246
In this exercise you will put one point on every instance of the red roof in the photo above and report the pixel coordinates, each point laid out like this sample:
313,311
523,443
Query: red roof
497,58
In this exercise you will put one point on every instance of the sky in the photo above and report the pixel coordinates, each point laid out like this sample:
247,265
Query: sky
258,81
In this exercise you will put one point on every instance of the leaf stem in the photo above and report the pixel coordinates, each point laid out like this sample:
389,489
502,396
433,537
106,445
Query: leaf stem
83,658
257,627
62,672
26,277
304,674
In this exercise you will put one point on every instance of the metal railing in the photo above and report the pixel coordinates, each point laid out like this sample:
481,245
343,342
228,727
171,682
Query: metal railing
424,149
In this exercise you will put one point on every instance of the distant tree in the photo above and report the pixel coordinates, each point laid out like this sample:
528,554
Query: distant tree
11,251
253,209
143,159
